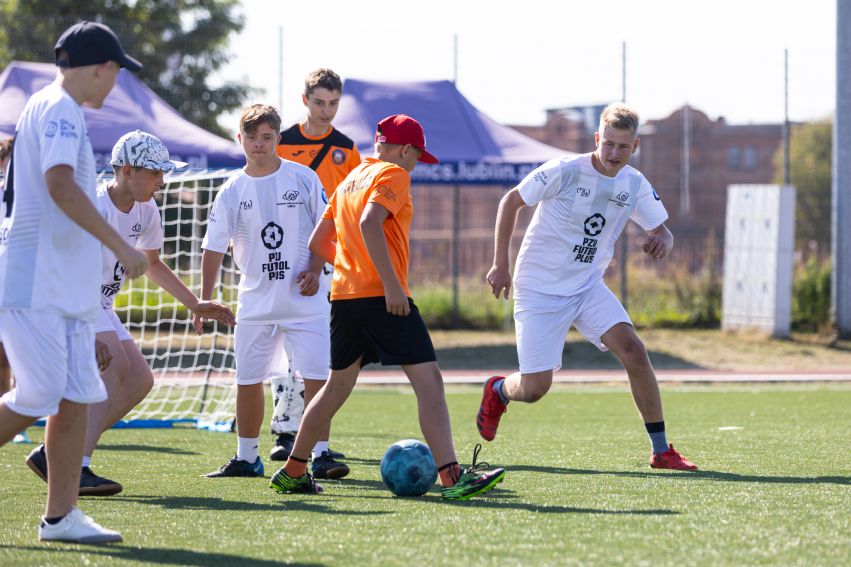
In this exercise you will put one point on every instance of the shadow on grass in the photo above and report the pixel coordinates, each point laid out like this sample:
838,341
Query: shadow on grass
362,461
152,555
144,449
302,503
696,475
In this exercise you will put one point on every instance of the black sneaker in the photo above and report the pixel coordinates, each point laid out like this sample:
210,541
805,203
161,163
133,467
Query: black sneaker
37,461
94,485
325,466
283,447
335,454
235,467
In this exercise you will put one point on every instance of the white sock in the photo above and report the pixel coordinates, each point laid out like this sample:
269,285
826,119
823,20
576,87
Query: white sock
319,448
87,461
247,449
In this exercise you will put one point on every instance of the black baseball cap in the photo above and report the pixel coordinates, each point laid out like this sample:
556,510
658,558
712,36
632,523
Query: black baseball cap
91,43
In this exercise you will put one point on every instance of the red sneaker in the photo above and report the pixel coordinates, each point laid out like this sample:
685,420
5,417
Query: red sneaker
670,459
491,410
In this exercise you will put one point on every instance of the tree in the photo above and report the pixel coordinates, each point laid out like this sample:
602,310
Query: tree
181,43
810,147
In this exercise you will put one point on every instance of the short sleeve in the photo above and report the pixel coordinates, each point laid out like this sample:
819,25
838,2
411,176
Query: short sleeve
542,183
391,189
219,232
649,212
318,198
152,228
62,131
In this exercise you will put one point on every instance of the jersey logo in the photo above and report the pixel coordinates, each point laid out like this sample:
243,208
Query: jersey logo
52,128
621,200
656,195
338,156
272,236
297,153
594,224
583,192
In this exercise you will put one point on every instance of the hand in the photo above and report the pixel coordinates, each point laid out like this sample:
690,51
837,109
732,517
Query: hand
657,246
135,262
308,283
102,355
397,301
499,278
211,310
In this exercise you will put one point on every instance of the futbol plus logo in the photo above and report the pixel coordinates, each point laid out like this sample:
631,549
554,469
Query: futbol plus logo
272,236
593,226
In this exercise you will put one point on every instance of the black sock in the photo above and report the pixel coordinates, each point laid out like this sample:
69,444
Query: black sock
55,520
658,440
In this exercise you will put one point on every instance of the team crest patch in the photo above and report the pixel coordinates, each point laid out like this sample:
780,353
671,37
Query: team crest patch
338,157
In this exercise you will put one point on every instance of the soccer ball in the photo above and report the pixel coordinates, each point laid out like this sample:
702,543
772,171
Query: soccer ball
408,468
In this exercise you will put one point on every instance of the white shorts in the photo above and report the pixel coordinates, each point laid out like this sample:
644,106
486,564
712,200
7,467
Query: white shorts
542,321
266,351
108,321
52,358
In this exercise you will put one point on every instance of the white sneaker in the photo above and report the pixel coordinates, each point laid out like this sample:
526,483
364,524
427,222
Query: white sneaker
76,527
21,438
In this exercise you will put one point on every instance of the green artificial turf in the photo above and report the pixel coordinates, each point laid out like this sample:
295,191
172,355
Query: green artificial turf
774,488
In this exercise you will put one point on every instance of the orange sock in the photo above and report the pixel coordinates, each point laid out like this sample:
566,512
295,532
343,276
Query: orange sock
295,467
449,474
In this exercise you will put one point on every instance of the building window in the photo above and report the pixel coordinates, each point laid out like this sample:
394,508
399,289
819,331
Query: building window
749,158
734,157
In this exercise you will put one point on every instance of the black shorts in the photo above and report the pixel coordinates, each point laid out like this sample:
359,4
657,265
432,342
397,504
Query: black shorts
364,327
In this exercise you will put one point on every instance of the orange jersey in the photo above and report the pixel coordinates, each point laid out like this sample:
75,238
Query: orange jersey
340,157
388,185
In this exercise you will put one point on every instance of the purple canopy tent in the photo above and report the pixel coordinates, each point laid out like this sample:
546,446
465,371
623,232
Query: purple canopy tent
131,105
472,148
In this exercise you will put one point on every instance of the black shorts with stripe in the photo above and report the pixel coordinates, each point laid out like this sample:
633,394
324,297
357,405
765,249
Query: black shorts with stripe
364,327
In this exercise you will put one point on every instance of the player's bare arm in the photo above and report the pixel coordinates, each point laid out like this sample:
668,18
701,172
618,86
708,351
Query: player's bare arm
372,229
499,276
162,275
308,280
211,263
73,202
323,241
659,242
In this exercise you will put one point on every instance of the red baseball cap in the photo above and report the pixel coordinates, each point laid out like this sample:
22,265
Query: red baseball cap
401,129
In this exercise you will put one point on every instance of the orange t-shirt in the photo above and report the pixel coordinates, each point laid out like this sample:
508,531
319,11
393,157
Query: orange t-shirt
388,185
342,156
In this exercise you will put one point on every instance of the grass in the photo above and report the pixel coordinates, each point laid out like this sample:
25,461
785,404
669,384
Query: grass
776,491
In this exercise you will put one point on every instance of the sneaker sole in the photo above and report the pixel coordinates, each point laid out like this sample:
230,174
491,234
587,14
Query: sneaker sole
280,490
278,455
87,539
489,486
335,473
36,470
104,490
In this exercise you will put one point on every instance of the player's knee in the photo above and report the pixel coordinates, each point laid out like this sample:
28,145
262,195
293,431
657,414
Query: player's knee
117,369
633,353
533,390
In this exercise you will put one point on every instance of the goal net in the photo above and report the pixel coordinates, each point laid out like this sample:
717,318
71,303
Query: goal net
194,376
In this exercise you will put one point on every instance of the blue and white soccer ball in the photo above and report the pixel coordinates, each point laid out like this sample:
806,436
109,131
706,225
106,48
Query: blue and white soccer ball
408,469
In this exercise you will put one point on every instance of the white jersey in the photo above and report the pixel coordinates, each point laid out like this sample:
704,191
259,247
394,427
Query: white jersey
581,213
141,228
269,221
47,261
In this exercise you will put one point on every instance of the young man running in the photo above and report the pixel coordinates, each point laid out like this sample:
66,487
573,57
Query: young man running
332,155
268,211
50,262
365,232
584,203
139,161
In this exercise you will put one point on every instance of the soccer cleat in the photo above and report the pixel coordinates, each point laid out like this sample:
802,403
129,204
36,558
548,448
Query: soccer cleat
325,466
94,485
474,480
670,459
37,462
235,467
21,437
78,528
490,411
283,447
335,454
282,482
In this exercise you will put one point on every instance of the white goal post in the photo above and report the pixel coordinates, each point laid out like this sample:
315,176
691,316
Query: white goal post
194,376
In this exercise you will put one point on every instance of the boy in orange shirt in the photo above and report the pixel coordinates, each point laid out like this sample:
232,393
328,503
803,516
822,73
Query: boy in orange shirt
364,232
